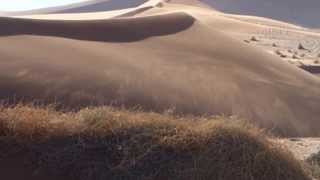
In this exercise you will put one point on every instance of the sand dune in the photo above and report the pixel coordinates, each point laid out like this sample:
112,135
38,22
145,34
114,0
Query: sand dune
157,65
275,37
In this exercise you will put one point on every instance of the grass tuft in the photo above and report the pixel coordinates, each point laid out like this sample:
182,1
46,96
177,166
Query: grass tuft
313,164
107,143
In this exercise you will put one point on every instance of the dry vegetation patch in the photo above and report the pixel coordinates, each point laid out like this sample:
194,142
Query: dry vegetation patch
313,164
108,143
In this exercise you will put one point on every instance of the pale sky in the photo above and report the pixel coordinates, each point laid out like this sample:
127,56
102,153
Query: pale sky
18,5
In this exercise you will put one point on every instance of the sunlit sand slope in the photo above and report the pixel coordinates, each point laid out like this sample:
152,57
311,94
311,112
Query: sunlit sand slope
161,62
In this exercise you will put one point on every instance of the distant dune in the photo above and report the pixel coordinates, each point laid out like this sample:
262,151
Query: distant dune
197,3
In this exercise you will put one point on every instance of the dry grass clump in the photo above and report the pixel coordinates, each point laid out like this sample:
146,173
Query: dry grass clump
108,143
301,47
280,53
314,165
295,56
254,38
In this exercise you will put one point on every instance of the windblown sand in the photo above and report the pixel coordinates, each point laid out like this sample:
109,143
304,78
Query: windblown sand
169,56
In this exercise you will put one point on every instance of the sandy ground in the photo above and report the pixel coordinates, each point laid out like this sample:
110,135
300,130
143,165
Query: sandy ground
294,44
302,148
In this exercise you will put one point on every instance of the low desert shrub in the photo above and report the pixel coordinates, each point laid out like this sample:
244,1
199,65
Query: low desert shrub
107,143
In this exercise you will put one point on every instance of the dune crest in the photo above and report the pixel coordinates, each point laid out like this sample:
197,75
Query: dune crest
111,30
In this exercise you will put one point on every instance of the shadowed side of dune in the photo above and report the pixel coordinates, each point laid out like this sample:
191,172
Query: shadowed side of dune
112,30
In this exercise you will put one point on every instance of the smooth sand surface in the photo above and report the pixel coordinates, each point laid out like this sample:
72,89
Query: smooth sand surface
275,37
302,148
166,57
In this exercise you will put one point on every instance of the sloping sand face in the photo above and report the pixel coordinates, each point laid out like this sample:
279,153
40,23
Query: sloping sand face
274,37
167,61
